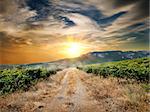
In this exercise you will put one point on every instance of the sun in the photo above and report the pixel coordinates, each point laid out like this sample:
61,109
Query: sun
74,49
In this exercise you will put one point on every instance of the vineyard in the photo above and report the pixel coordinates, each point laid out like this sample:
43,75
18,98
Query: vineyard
137,69
74,90
21,79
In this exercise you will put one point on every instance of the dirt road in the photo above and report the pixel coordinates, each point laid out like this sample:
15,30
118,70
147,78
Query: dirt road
70,90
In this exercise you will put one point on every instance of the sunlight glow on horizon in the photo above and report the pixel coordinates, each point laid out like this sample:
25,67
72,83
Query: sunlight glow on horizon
74,49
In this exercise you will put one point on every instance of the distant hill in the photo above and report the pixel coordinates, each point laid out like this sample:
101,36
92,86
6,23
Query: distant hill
89,58
109,56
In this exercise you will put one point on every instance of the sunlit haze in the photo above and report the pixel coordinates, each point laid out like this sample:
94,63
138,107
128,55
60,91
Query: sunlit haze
46,30
74,49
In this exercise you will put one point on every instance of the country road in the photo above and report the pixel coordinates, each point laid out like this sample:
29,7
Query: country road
70,90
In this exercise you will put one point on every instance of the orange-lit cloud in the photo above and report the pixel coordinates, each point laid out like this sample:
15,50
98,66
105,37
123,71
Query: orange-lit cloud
38,30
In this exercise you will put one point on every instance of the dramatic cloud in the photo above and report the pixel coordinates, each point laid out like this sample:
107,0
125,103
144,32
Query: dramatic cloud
45,24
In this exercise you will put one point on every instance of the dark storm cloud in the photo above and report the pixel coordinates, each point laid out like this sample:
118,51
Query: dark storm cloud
103,20
122,3
135,20
7,6
8,41
46,8
141,9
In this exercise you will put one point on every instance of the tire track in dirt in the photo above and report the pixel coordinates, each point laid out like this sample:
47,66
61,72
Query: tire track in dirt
72,90
72,97
58,101
35,99
63,92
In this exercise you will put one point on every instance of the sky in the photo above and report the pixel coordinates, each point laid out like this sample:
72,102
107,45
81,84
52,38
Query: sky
41,30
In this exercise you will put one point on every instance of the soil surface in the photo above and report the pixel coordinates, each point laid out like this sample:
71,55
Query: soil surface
70,90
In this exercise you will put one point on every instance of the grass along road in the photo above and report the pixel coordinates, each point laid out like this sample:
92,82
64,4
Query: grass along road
72,90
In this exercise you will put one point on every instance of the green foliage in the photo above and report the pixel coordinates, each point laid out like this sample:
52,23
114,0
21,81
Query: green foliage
16,79
137,69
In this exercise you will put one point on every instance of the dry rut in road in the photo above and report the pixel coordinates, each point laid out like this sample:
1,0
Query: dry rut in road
63,92
72,95
70,90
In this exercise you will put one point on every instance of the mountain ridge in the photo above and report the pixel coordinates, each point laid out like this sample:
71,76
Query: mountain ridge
88,58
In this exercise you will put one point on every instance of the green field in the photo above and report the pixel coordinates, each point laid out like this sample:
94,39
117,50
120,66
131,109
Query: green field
137,69
21,79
